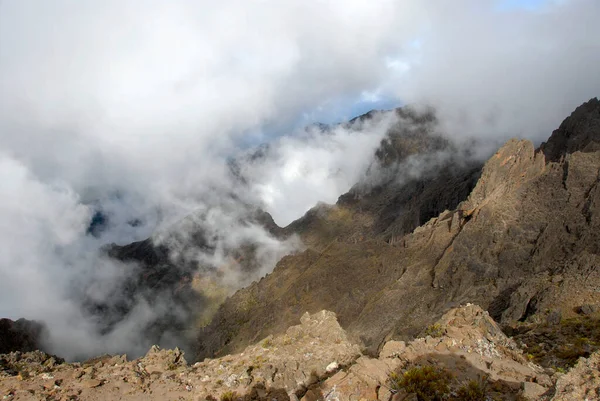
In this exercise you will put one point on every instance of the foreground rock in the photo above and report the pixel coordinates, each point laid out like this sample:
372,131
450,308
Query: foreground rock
465,351
287,364
582,382
468,348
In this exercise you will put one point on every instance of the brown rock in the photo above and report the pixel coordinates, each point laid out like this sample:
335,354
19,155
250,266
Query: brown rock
554,318
392,349
581,382
91,383
532,391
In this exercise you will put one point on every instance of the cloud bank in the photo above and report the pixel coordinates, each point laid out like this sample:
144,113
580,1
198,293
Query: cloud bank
136,109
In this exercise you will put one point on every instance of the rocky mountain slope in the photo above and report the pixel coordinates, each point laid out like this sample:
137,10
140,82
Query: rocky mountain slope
465,356
517,245
392,261
380,205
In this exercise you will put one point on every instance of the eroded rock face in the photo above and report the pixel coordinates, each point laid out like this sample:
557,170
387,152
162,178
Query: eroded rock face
292,361
21,335
282,365
313,360
580,383
579,132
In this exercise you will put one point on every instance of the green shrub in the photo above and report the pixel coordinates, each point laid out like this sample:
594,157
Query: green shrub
427,382
435,330
474,390
229,396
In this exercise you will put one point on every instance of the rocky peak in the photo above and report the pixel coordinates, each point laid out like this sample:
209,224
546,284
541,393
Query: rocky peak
514,163
580,131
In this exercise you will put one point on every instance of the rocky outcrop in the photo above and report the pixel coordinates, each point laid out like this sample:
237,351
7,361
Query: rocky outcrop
579,132
305,354
21,335
580,383
311,361
467,345
299,358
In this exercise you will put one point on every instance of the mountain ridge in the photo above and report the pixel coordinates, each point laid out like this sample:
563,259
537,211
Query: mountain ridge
453,258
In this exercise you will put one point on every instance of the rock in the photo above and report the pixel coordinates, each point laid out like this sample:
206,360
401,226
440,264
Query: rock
587,309
384,394
91,383
577,132
305,360
162,360
293,361
532,391
581,382
89,372
311,395
332,367
544,379
400,395
392,349
554,318
21,335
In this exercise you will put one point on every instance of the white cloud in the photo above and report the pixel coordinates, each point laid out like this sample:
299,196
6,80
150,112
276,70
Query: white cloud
503,74
314,166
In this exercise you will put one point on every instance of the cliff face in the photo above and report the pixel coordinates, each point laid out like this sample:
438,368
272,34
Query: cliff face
21,335
517,245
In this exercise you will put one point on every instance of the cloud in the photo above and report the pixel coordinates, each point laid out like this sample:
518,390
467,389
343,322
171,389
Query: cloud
315,165
509,73
135,108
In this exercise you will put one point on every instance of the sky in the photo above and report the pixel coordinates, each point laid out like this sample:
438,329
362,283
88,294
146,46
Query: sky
531,5
135,108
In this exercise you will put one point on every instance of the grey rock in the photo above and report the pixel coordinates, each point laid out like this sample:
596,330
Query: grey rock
532,391
587,309
554,318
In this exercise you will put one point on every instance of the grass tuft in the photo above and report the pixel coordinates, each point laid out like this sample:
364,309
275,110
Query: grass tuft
474,390
435,331
427,382
229,396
